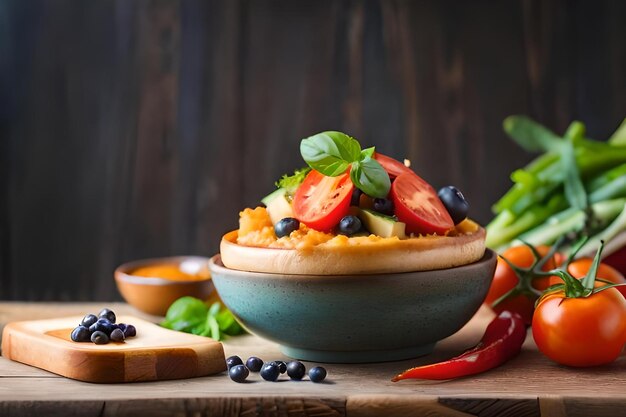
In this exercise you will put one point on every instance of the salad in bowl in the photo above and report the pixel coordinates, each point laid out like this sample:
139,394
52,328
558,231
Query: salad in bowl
354,258
353,211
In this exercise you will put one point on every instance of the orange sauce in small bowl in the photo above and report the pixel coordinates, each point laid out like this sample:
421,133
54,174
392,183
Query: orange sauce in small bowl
170,272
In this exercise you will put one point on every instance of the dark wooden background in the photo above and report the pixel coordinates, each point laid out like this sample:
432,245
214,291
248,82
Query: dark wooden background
134,129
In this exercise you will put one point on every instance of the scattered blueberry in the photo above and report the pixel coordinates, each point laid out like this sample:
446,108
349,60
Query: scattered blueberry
270,371
130,331
121,326
238,373
384,206
285,226
317,374
349,225
454,201
88,320
233,361
282,366
254,364
117,335
107,314
81,334
99,338
296,370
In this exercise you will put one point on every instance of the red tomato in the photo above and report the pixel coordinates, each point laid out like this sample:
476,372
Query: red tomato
581,331
505,280
417,204
579,268
320,202
393,167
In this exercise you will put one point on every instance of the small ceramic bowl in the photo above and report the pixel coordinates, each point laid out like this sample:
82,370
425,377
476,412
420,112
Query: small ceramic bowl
153,295
355,318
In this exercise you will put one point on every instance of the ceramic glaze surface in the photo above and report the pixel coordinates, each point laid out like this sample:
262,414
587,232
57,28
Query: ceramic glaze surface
355,318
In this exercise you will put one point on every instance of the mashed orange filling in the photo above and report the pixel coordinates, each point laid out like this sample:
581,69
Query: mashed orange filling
256,229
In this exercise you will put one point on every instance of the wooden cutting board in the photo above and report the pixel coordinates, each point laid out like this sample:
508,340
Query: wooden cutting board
154,354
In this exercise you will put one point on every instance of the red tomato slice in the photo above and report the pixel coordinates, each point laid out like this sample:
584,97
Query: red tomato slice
417,204
320,202
393,167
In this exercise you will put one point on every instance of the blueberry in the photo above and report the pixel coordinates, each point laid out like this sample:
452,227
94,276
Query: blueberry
88,320
317,374
99,338
238,373
296,370
81,334
356,197
233,361
129,331
454,201
285,226
102,325
107,314
254,364
349,225
384,206
270,371
117,335
282,366
121,326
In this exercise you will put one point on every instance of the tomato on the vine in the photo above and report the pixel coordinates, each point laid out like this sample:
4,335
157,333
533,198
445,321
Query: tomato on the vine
505,279
417,204
579,268
582,331
321,201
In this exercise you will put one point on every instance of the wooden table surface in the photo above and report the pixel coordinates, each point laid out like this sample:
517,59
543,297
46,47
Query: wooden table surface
529,385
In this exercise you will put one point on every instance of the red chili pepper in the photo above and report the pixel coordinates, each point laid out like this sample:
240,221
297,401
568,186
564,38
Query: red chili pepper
502,341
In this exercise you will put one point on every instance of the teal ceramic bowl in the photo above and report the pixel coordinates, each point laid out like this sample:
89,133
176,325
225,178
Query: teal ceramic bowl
355,318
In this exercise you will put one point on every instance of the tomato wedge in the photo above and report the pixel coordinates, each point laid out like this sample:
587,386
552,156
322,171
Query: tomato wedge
418,205
393,167
320,202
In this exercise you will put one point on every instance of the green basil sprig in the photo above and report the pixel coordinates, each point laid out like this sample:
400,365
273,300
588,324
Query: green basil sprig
192,315
332,153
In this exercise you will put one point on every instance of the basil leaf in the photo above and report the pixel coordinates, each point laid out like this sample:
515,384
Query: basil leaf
214,327
215,308
228,324
370,177
330,153
530,135
367,153
185,314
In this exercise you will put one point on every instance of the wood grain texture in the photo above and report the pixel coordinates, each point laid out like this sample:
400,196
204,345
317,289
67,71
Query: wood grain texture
486,407
140,129
399,406
154,354
529,385
206,407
